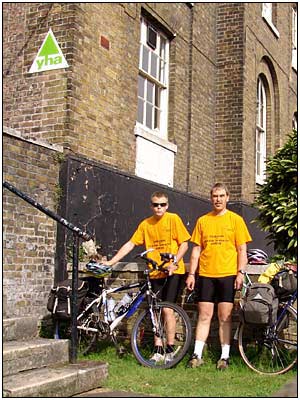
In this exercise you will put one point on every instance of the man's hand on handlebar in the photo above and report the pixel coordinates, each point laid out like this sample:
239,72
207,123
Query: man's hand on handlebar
171,268
166,257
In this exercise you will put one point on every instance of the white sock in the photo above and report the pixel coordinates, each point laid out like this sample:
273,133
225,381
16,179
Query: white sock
225,351
199,348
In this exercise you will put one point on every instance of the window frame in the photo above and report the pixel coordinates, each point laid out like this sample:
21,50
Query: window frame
267,15
295,121
155,103
261,132
294,38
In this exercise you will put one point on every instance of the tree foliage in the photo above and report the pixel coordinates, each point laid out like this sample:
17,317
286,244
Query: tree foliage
277,199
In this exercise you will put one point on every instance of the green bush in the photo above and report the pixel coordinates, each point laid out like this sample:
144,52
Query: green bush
277,199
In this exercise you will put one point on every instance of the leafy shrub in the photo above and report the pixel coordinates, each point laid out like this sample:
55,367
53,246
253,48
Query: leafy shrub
277,199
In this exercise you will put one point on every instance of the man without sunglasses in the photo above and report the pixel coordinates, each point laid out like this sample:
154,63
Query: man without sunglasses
219,258
165,233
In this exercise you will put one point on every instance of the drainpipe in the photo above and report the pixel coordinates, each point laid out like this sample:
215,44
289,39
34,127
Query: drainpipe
190,91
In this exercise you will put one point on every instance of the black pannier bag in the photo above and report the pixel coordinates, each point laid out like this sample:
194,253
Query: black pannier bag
285,282
60,298
260,305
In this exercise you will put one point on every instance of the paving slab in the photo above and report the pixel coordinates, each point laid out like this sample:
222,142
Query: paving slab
104,392
35,353
290,389
20,328
62,380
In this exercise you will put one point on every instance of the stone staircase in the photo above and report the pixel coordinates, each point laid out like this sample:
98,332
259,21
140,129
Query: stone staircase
37,367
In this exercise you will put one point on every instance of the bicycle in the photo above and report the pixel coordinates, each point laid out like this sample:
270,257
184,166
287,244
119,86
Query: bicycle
94,322
270,350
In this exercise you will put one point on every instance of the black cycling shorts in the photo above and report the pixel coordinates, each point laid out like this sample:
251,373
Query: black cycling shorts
168,289
215,290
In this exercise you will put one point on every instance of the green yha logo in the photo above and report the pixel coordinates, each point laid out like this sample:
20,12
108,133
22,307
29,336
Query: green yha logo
49,56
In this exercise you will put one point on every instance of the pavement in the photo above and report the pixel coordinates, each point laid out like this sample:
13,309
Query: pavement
104,392
290,389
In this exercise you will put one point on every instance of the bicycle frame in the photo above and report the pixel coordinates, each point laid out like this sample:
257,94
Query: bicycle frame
102,299
286,305
144,291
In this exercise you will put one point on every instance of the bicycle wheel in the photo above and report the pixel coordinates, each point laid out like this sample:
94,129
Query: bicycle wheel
86,338
142,336
88,330
267,350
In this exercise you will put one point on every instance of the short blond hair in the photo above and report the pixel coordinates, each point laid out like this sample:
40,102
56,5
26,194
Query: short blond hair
159,195
219,185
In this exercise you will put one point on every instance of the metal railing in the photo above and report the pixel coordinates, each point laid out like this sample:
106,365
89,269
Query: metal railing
77,233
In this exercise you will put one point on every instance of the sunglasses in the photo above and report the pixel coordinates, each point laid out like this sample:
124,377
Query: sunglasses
159,204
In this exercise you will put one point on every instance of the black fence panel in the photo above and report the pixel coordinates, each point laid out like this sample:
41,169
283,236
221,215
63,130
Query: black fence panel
110,205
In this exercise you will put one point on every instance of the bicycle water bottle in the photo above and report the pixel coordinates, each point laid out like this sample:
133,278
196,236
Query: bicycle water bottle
123,305
110,309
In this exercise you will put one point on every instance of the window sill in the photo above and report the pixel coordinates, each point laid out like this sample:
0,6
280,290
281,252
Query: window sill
272,26
142,132
260,181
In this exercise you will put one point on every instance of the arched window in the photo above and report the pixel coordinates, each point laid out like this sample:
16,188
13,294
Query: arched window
261,131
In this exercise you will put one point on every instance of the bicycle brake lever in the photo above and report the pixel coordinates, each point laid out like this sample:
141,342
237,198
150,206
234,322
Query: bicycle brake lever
167,256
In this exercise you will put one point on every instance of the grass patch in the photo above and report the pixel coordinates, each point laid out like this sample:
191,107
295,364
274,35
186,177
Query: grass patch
238,381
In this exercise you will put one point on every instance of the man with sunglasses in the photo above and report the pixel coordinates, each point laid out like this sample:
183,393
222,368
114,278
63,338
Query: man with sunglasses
165,233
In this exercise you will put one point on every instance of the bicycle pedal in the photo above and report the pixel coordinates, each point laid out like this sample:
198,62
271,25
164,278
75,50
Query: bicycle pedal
121,351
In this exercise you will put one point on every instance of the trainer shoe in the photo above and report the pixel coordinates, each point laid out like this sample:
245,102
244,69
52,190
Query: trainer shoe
222,364
170,356
157,358
195,361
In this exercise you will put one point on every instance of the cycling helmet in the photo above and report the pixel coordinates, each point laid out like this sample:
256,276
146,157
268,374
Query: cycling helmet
98,269
257,256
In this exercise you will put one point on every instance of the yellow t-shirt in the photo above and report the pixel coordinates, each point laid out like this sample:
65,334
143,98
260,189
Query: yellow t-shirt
164,235
218,236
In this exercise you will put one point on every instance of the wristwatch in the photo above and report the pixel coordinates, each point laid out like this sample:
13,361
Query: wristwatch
241,271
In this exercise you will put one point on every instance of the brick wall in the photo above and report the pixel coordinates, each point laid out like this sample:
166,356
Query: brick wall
90,108
201,173
29,236
229,96
37,104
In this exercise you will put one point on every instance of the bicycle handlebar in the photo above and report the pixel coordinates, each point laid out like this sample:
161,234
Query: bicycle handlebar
165,257
102,269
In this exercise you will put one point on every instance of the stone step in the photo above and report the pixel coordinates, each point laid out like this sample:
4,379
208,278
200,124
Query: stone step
61,380
35,353
20,328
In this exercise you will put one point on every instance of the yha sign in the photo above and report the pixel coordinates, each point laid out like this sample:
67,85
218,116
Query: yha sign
49,56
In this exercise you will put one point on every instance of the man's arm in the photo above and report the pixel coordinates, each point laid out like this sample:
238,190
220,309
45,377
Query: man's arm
123,251
241,265
190,281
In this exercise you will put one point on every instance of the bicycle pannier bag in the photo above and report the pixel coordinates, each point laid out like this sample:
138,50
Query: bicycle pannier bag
60,298
284,282
260,305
